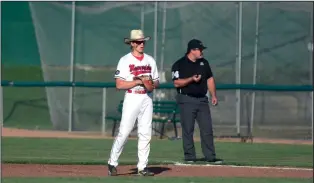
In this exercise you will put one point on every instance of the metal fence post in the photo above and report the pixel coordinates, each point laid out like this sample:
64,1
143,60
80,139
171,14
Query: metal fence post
155,29
312,116
311,66
142,15
164,19
1,107
238,71
70,120
155,47
255,66
104,102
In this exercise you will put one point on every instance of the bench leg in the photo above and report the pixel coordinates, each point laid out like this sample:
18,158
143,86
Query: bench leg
162,130
175,125
114,127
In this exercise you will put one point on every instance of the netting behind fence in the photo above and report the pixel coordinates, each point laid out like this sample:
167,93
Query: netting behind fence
276,114
275,40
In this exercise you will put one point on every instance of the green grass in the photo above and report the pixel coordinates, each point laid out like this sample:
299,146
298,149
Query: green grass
156,179
96,151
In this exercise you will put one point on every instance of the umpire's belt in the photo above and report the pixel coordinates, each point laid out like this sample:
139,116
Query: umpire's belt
193,95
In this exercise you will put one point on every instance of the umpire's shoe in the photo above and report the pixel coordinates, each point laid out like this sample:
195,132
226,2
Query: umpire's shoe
112,171
215,161
145,172
190,160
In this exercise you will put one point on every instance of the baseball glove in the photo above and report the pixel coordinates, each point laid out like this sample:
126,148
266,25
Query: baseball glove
147,82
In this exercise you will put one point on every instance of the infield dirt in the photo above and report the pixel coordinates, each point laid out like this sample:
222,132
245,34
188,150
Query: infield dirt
41,170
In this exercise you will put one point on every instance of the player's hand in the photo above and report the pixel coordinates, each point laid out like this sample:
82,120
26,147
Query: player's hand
138,81
197,78
145,81
214,101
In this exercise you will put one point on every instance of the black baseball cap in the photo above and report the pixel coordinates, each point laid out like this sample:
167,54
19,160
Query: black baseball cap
195,44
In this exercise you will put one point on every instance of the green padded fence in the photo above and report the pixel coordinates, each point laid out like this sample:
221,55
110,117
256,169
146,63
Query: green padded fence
282,88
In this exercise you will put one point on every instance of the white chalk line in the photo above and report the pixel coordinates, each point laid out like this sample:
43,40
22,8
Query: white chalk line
254,167
207,165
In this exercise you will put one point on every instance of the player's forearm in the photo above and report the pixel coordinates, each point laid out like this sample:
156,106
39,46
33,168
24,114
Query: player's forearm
125,85
211,86
178,83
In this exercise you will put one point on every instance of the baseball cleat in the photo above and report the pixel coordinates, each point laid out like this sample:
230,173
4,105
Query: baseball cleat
145,172
190,160
112,171
215,161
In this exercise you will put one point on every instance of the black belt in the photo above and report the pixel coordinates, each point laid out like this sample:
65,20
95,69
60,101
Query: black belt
193,95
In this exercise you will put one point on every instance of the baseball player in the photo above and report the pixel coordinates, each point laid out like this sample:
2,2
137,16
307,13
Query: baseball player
137,74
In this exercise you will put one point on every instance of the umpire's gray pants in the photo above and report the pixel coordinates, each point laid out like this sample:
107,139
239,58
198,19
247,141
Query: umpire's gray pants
192,109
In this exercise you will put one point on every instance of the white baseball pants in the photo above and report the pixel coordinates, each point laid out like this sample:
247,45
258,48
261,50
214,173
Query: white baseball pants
135,106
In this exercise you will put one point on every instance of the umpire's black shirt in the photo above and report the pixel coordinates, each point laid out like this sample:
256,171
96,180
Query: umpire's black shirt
185,68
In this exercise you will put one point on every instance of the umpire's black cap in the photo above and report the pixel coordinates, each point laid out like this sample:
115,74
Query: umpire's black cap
195,44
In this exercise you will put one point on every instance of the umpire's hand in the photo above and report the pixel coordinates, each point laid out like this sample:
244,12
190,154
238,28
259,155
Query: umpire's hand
197,78
214,101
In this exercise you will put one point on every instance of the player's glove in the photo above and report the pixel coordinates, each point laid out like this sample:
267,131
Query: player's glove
147,82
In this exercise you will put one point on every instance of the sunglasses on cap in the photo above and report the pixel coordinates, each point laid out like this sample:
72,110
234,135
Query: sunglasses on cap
138,42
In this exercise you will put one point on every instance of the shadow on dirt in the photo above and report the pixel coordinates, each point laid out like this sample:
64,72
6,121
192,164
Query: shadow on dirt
155,170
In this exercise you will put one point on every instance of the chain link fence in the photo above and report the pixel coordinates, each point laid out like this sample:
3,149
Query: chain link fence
265,43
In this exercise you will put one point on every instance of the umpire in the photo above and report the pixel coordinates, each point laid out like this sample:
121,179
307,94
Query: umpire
192,76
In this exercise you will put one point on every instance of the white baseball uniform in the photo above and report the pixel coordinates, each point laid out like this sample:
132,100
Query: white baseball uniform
137,105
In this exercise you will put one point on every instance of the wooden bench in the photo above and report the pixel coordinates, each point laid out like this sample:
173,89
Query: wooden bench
164,112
